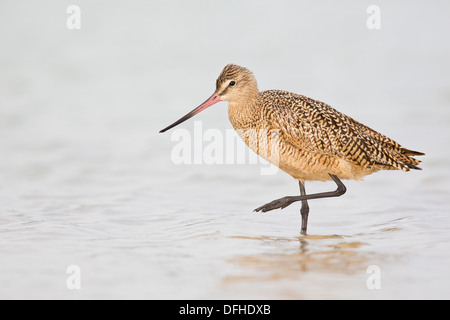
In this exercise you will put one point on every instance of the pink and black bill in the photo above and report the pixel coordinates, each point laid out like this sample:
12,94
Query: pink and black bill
209,102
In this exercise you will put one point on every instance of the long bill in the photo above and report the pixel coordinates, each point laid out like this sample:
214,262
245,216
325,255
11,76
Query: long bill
209,102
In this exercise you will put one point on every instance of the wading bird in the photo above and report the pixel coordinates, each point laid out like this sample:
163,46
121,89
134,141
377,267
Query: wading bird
314,140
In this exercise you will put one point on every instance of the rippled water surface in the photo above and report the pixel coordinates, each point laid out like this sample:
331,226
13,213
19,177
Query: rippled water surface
88,181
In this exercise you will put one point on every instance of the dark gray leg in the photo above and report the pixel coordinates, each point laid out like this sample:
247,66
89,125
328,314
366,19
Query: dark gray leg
286,201
305,208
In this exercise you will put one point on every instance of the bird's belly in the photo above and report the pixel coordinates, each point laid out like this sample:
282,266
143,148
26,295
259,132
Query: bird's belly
300,164
315,167
306,165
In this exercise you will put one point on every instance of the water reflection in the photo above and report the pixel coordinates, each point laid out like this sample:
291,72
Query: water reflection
314,253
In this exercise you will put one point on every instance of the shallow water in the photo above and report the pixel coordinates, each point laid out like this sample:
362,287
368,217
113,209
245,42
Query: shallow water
89,182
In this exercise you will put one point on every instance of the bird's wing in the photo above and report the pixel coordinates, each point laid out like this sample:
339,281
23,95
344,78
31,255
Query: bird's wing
312,125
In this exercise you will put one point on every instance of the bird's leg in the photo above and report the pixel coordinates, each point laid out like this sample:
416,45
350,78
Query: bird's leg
286,201
305,208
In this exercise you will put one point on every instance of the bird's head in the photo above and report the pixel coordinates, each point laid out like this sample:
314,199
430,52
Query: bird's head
235,84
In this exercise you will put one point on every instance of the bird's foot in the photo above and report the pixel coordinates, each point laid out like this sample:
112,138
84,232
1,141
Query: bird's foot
277,204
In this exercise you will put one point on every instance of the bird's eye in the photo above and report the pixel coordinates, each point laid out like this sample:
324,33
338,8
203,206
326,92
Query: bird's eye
232,83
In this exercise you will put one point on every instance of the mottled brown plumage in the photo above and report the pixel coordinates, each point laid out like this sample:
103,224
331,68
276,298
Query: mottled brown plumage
304,137
314,138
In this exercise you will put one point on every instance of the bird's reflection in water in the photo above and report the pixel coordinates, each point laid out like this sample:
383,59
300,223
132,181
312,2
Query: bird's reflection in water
315,253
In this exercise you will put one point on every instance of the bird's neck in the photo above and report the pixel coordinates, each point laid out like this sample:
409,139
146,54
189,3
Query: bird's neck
244,113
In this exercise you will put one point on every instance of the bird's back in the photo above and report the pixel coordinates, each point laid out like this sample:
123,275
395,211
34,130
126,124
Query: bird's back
323,138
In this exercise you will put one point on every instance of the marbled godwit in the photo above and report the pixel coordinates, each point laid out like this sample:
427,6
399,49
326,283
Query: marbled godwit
315,141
